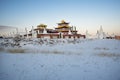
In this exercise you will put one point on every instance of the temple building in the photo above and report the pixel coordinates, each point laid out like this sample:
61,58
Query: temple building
63,30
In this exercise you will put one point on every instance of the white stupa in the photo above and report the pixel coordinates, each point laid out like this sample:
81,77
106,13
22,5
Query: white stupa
69,32
44,31
100,34
34,34
87,35
38,32
26,32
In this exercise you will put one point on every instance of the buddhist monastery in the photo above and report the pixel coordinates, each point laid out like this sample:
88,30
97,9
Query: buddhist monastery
63,30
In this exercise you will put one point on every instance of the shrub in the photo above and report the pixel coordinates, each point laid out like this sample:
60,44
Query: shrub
1,49
16,50
108,55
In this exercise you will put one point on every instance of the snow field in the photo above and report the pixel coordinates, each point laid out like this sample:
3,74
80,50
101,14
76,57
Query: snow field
64,60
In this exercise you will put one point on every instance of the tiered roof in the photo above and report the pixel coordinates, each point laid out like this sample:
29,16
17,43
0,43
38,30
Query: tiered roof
63,24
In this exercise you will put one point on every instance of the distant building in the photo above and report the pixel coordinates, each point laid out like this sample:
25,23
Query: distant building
63,30
117,37
101,35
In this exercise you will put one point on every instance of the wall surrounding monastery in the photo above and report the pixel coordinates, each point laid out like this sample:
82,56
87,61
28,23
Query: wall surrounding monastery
54,36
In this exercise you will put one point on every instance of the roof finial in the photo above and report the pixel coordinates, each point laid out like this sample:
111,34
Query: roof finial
63,21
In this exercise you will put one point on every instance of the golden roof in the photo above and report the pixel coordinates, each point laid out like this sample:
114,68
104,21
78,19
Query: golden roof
42,25
63,26
63,22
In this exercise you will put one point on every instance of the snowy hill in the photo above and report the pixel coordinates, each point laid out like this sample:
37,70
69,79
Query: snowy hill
60,60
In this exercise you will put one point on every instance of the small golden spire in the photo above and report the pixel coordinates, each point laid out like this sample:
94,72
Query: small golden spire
63,21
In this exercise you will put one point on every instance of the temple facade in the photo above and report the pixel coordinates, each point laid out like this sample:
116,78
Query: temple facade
63,30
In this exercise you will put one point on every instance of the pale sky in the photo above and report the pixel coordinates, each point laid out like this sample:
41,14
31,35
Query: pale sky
84,14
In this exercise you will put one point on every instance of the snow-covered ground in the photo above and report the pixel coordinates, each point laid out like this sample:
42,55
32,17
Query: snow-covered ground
60,60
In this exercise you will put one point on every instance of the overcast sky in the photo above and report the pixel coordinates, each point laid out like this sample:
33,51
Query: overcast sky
84,14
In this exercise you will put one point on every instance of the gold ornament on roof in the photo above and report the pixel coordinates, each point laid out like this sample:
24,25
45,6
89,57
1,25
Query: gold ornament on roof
63,21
